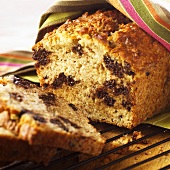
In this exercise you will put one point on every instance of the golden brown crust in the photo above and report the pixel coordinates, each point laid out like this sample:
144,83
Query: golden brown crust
138,48
101,22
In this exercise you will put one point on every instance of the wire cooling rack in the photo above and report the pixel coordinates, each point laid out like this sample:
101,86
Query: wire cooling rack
144,147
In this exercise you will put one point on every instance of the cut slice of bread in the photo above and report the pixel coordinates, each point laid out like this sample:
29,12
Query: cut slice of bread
41,118
14,149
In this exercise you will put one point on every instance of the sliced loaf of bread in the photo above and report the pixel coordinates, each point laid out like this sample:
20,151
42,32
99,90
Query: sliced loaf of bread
119,73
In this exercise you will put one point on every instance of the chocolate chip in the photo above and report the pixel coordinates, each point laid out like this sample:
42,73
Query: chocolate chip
120,90
116,89
109,101
73,106
39,118
110,84
113,66
26,111
16,96
23,83
48,99
62,78
78,49
147,73
120,116
70,81
57,83
59,123
22,112
117,68
45,85
127,69
67,121
41,56
101,93
127,105
46,77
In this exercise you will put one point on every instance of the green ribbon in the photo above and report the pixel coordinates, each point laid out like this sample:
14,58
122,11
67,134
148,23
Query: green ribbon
162,119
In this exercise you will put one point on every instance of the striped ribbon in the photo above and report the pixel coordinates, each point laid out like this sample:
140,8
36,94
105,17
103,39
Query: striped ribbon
151,15
12,61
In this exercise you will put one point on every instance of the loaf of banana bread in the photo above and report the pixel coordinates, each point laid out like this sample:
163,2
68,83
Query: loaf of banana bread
106,65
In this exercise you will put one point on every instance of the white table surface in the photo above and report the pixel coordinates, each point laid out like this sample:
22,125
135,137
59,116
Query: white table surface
19,20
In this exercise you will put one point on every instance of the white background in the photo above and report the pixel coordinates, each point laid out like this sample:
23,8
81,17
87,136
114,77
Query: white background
19,20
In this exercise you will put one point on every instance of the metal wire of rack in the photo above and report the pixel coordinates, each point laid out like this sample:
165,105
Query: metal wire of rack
150,151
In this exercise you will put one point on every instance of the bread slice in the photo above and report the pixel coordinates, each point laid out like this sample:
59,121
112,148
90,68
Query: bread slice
41,118
119,73
14,149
